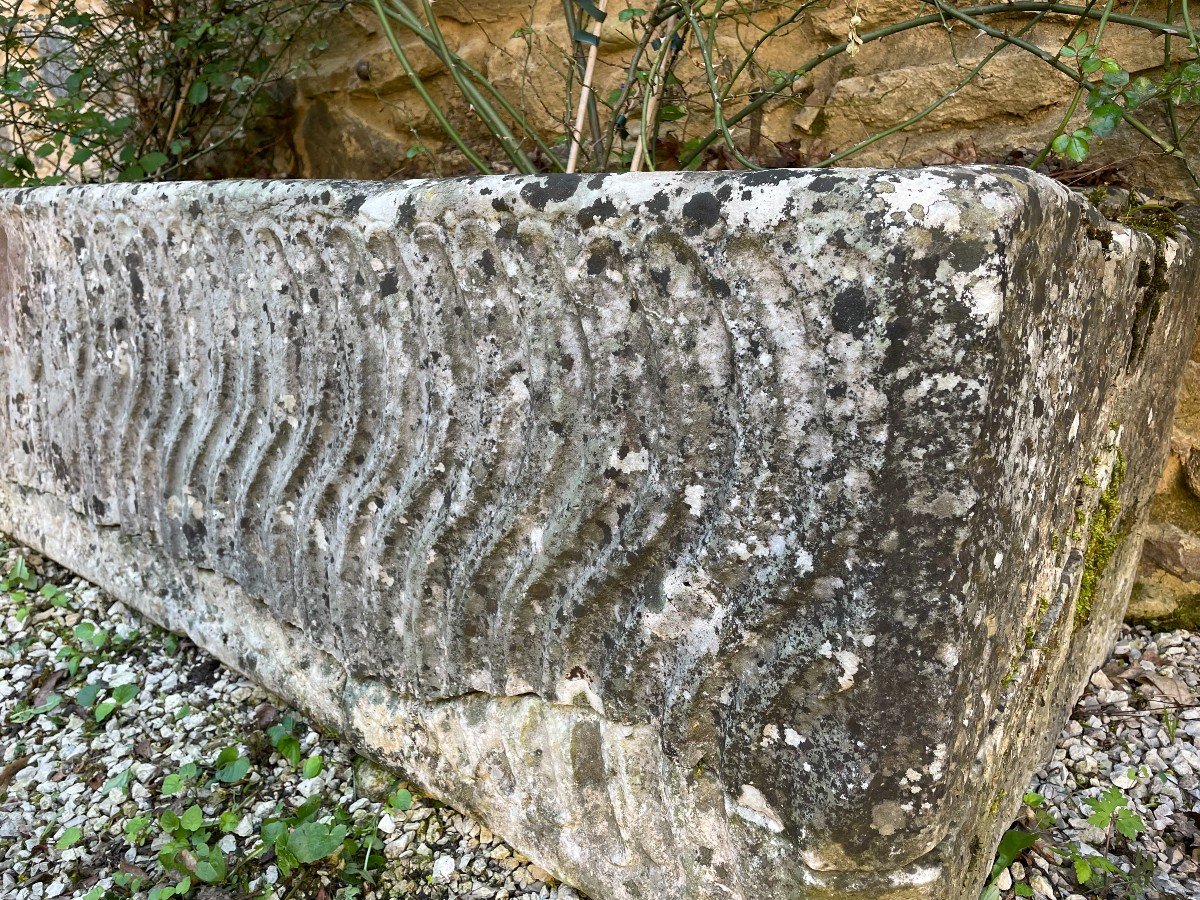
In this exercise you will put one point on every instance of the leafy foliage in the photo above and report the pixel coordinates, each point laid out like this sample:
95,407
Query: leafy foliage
127,91
1094,871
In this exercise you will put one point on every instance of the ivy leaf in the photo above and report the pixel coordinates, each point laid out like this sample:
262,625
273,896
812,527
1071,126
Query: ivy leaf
155,160
192,818
105,709
24,715
401,800
1011,846
1104,119
289,749
284,858
135,826
313,841
123,693
307,809
235,771
313,766
118,782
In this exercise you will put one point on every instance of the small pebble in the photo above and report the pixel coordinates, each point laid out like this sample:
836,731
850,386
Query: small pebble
188,709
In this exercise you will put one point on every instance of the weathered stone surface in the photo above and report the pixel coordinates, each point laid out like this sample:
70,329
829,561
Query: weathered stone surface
725,535
1167,591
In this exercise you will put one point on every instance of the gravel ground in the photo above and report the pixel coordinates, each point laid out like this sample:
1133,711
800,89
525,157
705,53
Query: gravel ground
98,800
1116,813
134,765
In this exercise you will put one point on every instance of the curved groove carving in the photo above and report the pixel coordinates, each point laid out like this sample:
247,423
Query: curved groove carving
621,510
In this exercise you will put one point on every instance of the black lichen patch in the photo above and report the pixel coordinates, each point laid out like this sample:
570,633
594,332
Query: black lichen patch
658,204
599,211
702,211
550,189
1152,279
137,290
596,263
851,311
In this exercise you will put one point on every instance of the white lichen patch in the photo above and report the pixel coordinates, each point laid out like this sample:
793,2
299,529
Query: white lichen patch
752,806
632,461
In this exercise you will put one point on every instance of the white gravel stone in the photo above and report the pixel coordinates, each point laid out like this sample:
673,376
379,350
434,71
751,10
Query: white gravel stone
1136,730
189,708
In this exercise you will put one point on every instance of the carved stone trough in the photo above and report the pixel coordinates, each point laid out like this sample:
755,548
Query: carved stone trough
705,535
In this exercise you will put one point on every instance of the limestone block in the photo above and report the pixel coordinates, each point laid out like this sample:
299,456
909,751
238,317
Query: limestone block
706,535
1167,592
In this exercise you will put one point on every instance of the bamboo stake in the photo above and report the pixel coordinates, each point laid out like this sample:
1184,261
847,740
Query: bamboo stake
585,91
660,84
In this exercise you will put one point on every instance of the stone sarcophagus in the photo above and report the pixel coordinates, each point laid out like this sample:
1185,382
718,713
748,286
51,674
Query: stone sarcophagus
706,535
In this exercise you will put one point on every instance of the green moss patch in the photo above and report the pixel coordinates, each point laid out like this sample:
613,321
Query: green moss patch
1103,539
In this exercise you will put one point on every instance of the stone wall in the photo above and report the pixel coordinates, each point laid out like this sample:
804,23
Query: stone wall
707,534
359,116
1167,593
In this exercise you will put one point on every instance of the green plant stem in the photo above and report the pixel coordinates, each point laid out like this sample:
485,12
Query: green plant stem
1041,54
1062,126
1172,117
1079,90
631,71
651,95
714,89
407,19
486,112
767,35
1168,100
426,98
1193,43
966,15
912,120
